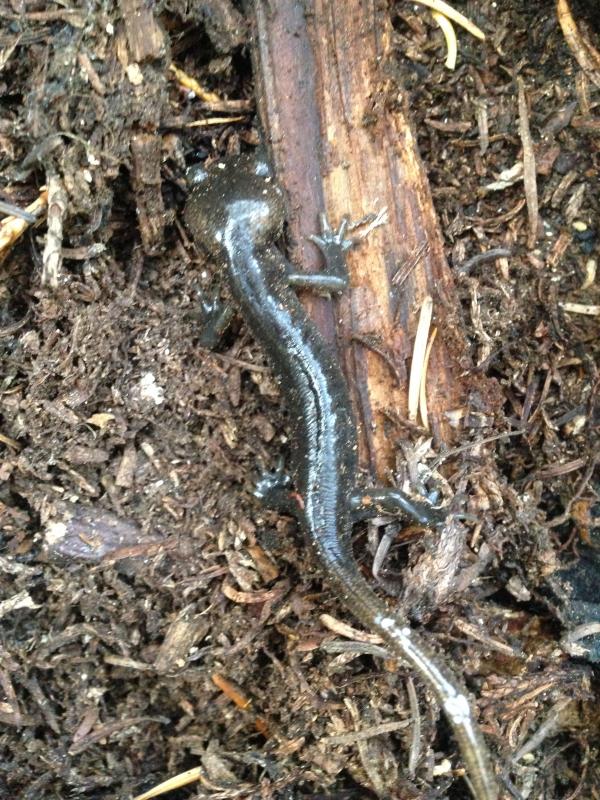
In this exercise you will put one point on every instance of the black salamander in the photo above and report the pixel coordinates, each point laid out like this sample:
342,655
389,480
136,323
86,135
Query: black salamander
235,209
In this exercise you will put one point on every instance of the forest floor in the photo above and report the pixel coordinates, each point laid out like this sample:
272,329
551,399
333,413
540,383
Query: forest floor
155,619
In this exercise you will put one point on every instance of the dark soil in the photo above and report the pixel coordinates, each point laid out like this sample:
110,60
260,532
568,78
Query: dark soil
143,590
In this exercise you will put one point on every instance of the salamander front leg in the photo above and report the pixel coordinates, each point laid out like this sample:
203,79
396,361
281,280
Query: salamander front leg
215,319
333,245
369,503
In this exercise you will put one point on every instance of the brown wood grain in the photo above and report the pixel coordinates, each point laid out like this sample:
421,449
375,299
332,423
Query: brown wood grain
146,178
341,139
144,35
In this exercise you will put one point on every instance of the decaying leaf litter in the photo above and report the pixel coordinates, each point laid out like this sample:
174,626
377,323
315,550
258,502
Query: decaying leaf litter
154,619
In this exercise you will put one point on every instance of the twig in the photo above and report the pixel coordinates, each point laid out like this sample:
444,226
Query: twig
368,342
52,256
486,440
547,728
211,100
16,211
414,754
581,308
176,782
553,523
490,255
365,733
529,176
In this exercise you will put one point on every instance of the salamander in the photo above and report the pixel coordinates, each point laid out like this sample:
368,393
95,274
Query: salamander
235,209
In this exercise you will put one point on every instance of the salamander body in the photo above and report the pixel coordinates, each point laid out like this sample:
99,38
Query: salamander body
236,211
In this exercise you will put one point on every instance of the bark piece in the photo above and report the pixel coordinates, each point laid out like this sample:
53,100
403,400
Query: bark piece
186,629
77,532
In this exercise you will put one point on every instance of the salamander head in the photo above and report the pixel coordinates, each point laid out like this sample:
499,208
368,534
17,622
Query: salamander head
238,194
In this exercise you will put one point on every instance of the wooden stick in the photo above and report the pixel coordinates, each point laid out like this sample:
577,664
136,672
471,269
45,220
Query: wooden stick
341,141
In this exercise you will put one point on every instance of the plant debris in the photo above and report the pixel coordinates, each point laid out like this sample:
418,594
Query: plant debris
156,622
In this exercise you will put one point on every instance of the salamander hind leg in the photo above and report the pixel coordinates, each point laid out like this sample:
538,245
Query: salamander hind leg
333,244
273,489
369,503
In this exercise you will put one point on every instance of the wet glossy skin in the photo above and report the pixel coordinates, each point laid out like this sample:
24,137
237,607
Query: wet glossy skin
236,211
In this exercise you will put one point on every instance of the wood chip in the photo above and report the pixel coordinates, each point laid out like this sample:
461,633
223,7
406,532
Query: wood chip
186,629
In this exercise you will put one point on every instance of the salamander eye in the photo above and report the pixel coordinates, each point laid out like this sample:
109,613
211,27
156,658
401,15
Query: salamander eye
262,169
196,174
